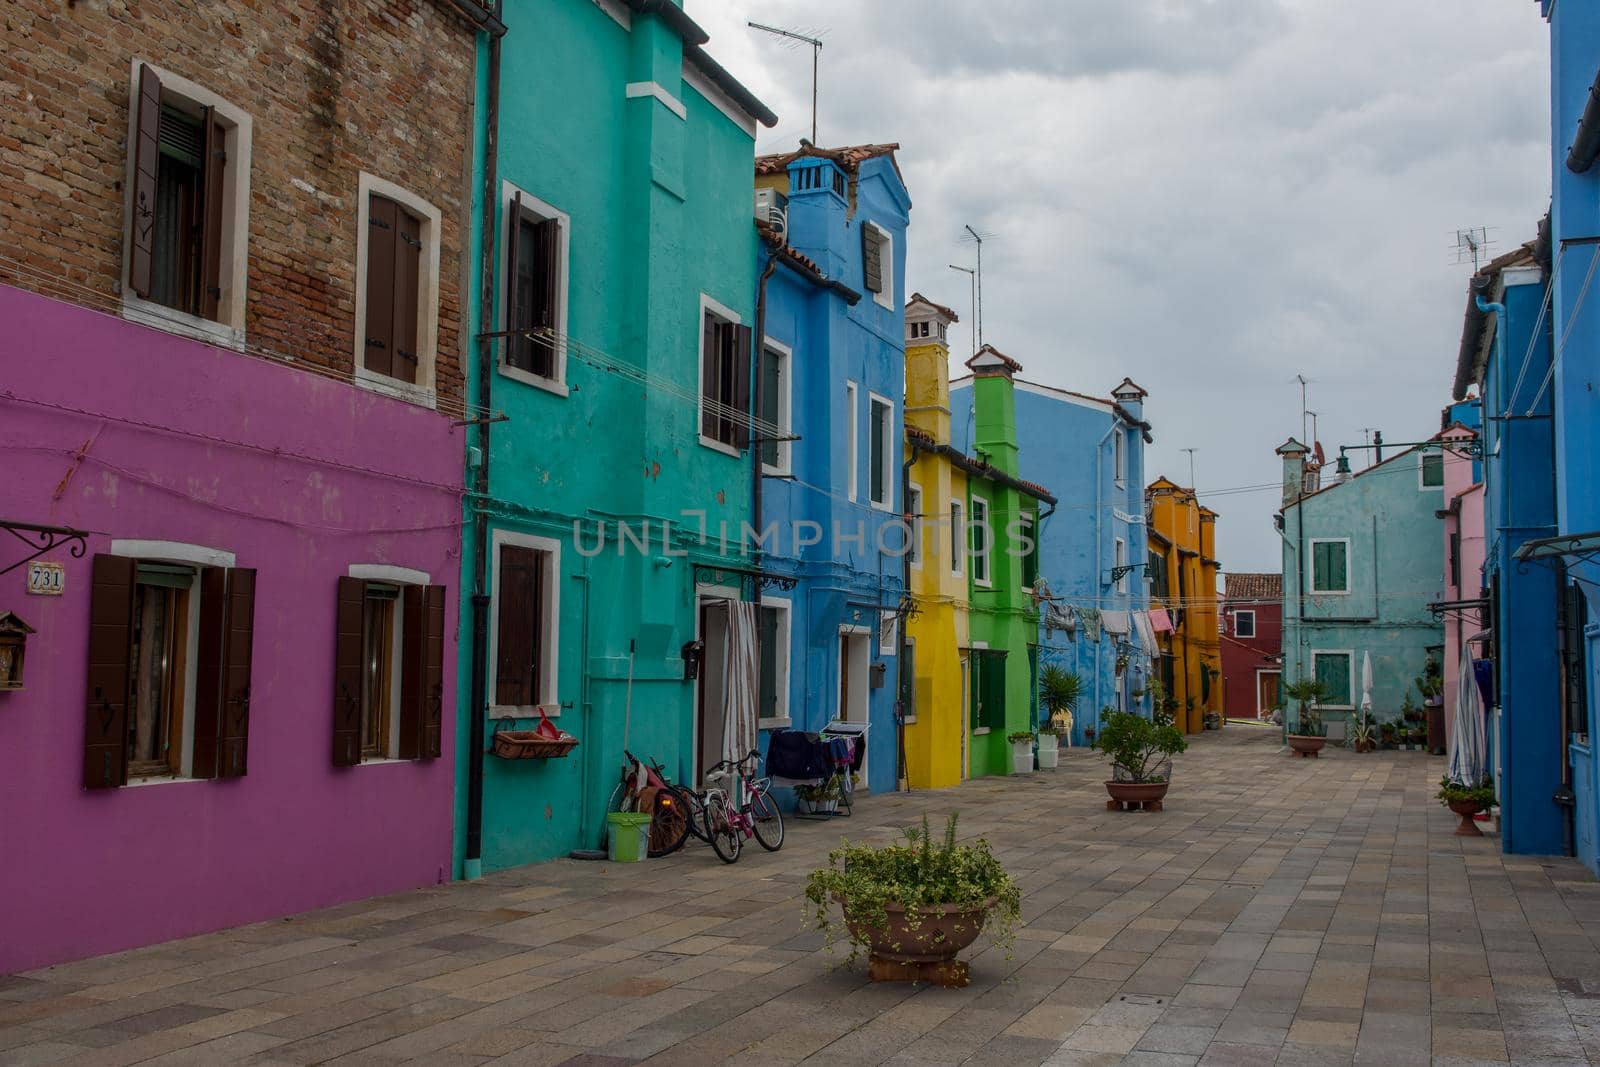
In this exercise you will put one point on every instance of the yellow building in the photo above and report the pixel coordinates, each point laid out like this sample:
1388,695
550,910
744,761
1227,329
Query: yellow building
936,494
1183,582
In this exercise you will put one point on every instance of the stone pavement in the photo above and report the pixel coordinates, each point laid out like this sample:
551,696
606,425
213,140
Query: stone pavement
1278,911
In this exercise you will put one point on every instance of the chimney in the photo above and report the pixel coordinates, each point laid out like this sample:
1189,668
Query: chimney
1130,397
1294,470
928,367
1377,445
994,407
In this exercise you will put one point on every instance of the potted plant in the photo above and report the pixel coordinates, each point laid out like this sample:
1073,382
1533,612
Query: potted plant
914,904
1466,801
1387,731
1430,683
1049,746
1307,733
822,798
1363,735
1124,657
1021,752
1060,690
1141,754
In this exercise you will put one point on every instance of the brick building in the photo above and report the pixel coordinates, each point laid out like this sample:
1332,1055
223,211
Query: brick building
1252,644
233,273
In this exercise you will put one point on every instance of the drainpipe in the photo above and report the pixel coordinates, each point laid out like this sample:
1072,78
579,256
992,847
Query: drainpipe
1099,555
472,865
755,424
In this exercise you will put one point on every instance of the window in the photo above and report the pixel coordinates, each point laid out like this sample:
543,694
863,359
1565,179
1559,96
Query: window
170,639
1432,470
1030,553
775,636
775,407
877,263
397,276
380,666
1156,572
851,448
1332,669
881,453
388,666
958,537
1119,452
1455,559
979,540
914,525
988,690
724,378
1119,559
908,681
536,242
1244,624
188,205
919,329
1330,565
525,620
888,633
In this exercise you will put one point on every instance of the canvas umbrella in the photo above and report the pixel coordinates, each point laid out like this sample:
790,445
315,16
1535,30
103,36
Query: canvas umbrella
1366,685
1467,738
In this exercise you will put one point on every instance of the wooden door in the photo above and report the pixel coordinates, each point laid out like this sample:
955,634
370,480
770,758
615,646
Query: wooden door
1266,692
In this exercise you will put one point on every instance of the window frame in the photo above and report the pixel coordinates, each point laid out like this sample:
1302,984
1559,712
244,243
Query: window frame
1311,566
852,422
975,523
537,210
1239,614
885,442
884,297
1350,676
1028,530
713,307
785,353
549,633
958,538
1119,455
233,276
424,390
888,634
914,550
1424,455
398,577
785,665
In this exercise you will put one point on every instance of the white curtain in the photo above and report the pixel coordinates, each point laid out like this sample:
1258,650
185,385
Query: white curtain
743,682
1467,740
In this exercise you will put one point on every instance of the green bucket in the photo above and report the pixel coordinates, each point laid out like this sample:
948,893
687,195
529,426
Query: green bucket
629,837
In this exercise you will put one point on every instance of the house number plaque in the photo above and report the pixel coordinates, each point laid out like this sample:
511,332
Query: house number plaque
47,579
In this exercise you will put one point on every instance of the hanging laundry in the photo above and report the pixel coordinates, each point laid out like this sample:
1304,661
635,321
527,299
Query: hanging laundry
1160,621
1091,623
1116,622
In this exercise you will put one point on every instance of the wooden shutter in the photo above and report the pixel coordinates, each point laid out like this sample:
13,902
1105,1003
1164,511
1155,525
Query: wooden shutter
517,627
871,259
212,645
544,351
380,341
347,653
994,685
422,672
407,277
212,165
741,386
146,151
222,674
105,742
710,374
516,347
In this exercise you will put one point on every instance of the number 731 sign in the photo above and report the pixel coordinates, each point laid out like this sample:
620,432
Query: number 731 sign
47,579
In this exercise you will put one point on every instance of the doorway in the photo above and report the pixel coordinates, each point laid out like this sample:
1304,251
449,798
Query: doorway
711,690
1268,684
855,668
966,716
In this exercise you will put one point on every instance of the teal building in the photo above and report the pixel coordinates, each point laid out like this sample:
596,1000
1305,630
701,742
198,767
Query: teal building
614,311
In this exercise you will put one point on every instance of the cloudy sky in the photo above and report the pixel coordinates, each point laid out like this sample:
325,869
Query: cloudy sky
1209,195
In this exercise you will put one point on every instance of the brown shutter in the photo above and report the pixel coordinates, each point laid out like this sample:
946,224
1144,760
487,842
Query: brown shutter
516,347
741,386
146,151
105,743
710,374
238,645
347,628
871,259
379,341
544,351
209,670
407,276
423,672
215,160
517,650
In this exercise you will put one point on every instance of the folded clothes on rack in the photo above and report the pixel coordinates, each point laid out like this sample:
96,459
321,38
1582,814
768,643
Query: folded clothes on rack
797,757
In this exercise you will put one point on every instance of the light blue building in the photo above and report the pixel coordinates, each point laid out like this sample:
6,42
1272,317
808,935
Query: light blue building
1505,354
830,386
1092,547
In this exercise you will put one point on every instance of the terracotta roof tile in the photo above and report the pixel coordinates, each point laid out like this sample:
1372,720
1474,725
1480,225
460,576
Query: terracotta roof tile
991,350
1237,586
918,298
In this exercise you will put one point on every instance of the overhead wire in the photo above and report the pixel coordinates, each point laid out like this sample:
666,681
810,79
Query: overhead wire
1572,322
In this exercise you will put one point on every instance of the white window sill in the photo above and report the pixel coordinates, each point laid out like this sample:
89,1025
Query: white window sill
549,385
909,720
884,300
784,723
776,472
980,731
717,446
881,505
161,779
374,761
523,711
395,388
1329,592
136,308
983,583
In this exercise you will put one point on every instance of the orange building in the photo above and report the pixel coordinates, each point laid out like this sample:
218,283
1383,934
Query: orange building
1182,572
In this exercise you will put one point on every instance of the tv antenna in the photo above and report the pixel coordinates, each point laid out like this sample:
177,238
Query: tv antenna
977,238
972,286
1473,245
816,51
1191,452
1301,378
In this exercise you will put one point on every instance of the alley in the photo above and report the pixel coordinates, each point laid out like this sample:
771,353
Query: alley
1278,910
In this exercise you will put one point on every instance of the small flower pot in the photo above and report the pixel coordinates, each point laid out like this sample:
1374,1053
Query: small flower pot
1022,758
1365,746
1132,796
1049,752
1466,809
1306,746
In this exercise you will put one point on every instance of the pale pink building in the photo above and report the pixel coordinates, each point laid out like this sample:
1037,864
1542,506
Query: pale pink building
1464,550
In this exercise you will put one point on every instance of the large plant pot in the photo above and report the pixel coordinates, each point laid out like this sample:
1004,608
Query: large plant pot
1022,758
1049,752
1466,809
924,950
1306,746
1133,795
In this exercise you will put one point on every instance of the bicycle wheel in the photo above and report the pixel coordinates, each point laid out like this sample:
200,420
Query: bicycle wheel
766,820
725,840
669,823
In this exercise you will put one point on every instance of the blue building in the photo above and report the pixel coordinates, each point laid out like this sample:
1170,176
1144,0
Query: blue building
832,365
1090,451
1505,354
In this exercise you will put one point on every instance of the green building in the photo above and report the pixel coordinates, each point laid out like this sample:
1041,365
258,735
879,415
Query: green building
615,307
1003,521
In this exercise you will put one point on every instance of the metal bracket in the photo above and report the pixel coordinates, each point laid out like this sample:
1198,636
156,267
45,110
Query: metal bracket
1118,573
749,580
41,539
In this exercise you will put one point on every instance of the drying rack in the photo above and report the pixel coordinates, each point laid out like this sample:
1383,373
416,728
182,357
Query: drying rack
856,731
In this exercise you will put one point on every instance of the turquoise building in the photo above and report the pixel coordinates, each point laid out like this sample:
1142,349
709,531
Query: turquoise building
1363,557
615,307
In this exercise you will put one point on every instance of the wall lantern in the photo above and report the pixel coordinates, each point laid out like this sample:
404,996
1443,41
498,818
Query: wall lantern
692,652
13,643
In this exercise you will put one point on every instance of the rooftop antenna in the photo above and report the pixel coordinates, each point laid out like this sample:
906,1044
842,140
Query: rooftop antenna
978,238
972,285
1191,452
1313,442
1301,378
816,51
1473,245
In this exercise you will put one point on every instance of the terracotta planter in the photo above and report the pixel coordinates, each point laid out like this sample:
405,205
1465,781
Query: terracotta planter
924,950
1365,746
1466,809
1146,795
1306,746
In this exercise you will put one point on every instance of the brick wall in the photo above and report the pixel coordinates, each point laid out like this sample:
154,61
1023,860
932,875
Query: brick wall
334,87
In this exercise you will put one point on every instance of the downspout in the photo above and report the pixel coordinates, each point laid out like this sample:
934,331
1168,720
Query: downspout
756,398
472,864
903,777
1099,555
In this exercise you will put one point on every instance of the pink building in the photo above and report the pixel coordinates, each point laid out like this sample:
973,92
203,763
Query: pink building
1463,560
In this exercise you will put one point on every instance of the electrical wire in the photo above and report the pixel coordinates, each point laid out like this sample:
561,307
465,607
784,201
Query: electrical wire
1533,338
1572,322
